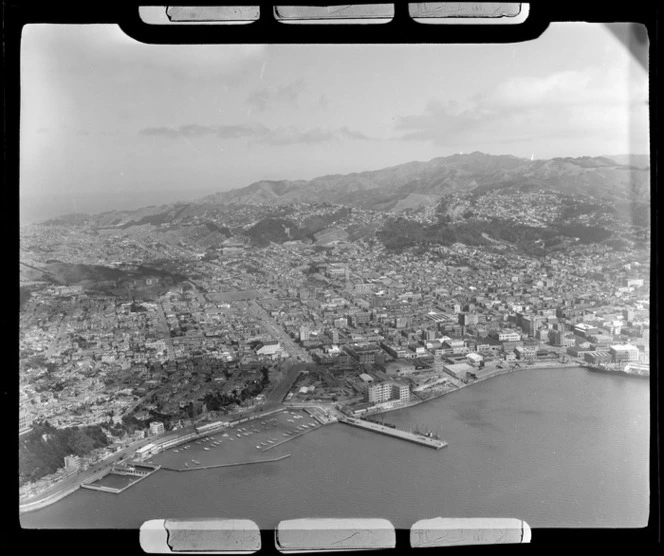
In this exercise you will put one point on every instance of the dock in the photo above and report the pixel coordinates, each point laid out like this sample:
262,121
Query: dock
396,433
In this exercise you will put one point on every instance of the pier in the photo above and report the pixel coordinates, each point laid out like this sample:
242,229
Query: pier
396,433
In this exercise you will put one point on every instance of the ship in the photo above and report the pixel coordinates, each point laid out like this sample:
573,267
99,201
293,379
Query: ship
424,431
633,370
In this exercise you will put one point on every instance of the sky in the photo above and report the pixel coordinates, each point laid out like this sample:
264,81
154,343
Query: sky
111,123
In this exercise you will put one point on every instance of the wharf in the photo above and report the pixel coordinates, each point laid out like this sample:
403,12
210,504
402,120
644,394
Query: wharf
396,433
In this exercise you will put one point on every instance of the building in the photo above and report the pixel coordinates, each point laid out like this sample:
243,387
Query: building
530,324
505,335
341,322
72,463
363,353
466,319
359,319
623,353
385,391
334,334
526,353
474,359
337,270
366,378
458,370
24,423
268,348
156,427
305,333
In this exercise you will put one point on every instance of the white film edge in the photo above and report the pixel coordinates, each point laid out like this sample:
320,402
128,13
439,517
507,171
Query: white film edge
200,536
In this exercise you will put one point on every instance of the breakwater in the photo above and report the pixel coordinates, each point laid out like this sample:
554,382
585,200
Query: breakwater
201,467
290,438
396,433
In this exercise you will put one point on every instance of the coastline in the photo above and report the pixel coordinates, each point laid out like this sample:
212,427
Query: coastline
29,506
498,372
169,440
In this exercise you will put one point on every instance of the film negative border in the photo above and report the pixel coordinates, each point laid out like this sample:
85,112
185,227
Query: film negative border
297,536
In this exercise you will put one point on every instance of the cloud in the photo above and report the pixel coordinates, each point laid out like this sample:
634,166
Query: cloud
258,133
285,94
292,135
592,104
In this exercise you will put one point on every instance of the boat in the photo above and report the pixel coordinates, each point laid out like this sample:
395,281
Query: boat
186,464
206,449
239,435
424,431
177,451
270,441
284,434
637,371
258,447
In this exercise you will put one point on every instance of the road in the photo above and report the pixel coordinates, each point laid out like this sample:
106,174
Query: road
60,334
272,328
168,340
79,478
291,372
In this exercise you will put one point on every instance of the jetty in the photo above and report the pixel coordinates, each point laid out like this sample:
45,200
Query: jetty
396,433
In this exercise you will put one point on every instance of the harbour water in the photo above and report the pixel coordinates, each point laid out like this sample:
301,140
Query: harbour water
555,447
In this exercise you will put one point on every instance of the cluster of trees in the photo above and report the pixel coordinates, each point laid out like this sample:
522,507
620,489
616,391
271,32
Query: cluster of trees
217,401
43,449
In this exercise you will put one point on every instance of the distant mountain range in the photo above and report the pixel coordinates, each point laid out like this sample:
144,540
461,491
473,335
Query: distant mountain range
475,199
616,178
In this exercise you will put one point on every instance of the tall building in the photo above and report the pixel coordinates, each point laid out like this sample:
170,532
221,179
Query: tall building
304,333
385,391
334,334
156,427
72,463
466,319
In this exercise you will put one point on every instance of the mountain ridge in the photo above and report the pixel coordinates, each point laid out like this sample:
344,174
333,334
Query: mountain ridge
603,177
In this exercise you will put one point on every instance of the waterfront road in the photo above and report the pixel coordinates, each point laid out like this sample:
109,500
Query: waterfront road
74,481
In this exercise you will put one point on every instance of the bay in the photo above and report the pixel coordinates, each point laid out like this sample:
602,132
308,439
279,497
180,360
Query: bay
555,447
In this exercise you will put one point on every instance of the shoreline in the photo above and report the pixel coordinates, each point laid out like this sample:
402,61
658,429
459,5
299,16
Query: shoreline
499,372
188,434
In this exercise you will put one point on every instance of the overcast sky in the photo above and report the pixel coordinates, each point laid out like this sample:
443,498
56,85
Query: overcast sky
108,122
